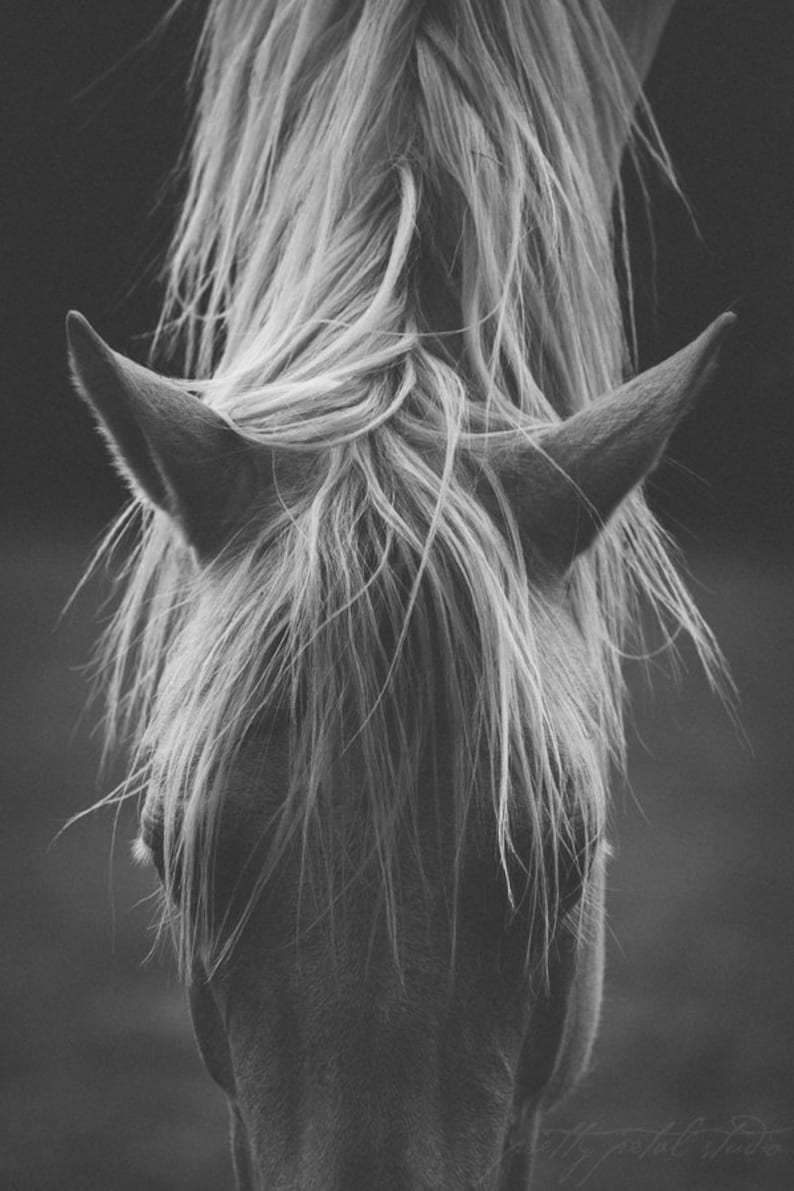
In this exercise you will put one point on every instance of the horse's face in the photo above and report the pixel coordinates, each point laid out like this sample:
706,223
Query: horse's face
343,1071
343,1067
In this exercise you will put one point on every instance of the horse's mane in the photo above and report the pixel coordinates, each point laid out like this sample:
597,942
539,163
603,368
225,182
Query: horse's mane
397,236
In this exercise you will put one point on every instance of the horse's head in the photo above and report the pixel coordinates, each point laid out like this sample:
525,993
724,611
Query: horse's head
365,1040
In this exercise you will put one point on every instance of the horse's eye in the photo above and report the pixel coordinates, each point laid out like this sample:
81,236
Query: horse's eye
148,847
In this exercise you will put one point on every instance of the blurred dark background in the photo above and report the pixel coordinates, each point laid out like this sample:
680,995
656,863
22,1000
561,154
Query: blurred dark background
98,1080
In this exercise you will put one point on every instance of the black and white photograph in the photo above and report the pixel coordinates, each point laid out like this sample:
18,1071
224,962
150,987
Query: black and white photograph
397,555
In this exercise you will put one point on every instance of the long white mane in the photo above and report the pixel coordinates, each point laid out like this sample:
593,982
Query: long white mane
396,238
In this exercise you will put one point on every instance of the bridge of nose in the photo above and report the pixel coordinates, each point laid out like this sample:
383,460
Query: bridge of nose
344,1066
352,1092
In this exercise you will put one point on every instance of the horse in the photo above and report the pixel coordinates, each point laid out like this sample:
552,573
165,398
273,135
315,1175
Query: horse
391,548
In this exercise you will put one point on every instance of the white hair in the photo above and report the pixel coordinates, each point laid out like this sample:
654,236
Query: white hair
396,238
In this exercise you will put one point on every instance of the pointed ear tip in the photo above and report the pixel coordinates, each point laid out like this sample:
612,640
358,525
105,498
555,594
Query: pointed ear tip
78,329
84,344
721,325
75,320
709,344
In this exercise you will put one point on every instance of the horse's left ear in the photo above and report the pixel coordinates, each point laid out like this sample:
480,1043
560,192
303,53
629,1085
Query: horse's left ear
567,483
169,446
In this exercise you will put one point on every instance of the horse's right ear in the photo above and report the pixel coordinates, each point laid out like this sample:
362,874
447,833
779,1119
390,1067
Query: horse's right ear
172,450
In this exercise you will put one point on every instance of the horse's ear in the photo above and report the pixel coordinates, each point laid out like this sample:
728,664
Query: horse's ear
171,448
566,484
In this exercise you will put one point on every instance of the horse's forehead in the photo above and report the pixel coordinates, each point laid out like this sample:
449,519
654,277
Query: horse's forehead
295,936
